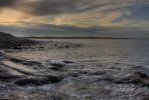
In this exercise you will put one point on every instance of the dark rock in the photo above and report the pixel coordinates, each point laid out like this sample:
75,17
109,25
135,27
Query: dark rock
73,74
98,73
14,59
92,73
108,78
1,54
124,80
67,46
38,81
8,41
33,81
83,72
56,68
8,77
78,45
4,77
56,98
57,64
17,48
145,97
68,62
55,79
31,63
140,75
24,62
134,78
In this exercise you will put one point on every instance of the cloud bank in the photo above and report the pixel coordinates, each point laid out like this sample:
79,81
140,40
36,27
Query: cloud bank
77,13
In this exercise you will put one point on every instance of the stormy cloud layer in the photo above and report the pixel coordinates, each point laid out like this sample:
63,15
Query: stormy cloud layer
47,7
88,17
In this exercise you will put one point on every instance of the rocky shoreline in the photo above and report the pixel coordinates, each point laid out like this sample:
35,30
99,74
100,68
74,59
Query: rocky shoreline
10,43
16,72
26,79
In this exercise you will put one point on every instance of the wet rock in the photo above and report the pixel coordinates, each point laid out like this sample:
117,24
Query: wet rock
8,41
73,74
97,73
145,98
24,62
67,46
78,45
17,48
68,62
38,81
55,79
33,81
5,76
107,78
14,59
8,99
134,78
90,73
57,66
140,75
1,54
83,72
56,98
8,77
123,80
31,63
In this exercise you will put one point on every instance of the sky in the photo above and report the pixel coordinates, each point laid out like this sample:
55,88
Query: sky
103,18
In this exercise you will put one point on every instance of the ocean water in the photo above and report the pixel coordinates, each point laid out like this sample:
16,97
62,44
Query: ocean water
128,51
96,68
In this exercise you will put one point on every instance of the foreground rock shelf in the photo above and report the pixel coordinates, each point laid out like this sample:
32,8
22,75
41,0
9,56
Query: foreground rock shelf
59,80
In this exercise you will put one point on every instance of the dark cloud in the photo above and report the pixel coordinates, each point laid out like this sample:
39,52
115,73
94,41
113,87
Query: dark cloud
48,7
44,7
40,7
7,3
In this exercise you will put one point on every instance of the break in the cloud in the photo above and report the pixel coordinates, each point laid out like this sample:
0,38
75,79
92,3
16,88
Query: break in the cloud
111,14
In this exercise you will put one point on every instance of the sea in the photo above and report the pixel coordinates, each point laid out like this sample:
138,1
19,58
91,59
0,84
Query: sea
127,51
